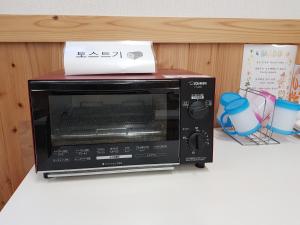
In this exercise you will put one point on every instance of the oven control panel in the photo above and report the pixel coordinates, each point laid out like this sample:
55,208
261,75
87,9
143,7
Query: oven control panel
196,116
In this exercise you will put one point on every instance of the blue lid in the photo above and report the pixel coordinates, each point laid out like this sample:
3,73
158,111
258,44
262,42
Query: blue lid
287,105
237,106
228,97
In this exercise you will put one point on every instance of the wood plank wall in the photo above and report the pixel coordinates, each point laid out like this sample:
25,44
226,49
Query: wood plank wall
21,60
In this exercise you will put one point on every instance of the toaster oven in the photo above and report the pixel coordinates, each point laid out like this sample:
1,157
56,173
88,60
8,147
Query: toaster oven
85,125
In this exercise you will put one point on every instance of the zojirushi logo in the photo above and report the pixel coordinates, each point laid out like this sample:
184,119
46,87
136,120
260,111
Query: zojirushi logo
197,83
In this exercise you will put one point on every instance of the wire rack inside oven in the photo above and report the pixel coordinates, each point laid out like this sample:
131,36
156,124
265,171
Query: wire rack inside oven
105,123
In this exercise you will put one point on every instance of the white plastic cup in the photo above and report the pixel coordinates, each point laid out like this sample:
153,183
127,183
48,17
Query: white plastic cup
225,99
284,117
242,118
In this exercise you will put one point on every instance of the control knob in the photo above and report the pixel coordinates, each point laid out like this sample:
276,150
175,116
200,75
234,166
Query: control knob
198,141
198,109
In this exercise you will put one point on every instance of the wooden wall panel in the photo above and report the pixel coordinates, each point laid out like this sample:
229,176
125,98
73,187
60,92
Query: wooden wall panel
52,28
22,61
18,63
6,188
10,116
202,58
227,68
172,55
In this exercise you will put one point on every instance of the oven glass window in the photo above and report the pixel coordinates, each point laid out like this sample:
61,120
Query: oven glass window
96,119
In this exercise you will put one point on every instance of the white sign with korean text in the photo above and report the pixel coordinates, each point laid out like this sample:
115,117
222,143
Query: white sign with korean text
269,68
108,57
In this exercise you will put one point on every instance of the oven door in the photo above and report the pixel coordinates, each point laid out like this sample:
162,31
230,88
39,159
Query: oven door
103,124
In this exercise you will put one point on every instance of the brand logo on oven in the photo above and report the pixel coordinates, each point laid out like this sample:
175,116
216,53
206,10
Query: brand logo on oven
197,83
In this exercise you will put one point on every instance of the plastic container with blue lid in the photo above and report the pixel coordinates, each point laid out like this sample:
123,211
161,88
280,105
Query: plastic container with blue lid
225,99
228,97
287,104
242,118
284,117
237,106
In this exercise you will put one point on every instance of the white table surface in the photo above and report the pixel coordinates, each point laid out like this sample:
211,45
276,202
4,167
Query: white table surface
244,185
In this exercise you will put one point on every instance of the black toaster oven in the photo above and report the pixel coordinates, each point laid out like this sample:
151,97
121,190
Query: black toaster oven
86,125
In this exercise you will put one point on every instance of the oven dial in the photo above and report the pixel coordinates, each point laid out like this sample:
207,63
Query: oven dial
198,141
198,109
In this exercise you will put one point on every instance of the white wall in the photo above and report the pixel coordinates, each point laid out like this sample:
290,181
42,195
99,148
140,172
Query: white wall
281,9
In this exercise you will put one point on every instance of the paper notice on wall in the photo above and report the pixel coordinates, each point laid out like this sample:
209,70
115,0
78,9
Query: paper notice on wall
295,91
268,67
295,85
108,57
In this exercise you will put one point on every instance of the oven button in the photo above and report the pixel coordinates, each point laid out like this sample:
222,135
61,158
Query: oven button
198,140
198,109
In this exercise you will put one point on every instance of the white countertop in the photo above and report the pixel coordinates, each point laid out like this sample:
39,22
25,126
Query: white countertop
255,185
